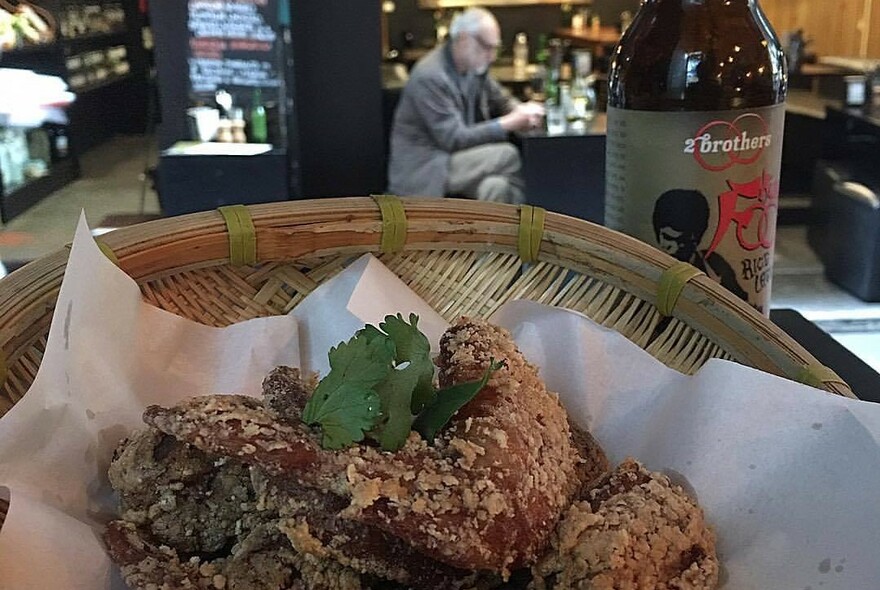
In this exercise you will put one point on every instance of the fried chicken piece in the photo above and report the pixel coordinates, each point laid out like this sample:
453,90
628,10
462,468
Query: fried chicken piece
148,565
170,491
485,496
367,549
191,520
633,530
312,521
182,496
264,560
496,481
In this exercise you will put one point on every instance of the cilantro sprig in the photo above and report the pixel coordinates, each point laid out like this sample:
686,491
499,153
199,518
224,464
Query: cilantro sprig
345,402
380,385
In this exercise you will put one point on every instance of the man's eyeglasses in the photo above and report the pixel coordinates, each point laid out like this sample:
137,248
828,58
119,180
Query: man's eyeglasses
487,47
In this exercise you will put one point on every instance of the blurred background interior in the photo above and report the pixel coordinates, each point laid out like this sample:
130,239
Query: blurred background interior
157,118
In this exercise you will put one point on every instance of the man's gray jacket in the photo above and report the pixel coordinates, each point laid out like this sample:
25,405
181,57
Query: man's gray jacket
434,118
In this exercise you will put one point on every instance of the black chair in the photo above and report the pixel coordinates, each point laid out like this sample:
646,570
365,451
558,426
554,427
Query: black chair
845,232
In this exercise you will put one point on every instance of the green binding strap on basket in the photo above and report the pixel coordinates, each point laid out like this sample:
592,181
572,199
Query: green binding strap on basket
242,235
531,232
108,252
672,283
818,376
393,223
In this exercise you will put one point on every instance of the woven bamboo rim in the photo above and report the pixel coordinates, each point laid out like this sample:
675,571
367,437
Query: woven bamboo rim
460,256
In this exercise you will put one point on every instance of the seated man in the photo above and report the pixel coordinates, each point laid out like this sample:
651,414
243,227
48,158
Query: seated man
449,135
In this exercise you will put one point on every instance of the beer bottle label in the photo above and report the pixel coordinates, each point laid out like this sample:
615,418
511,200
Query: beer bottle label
703,187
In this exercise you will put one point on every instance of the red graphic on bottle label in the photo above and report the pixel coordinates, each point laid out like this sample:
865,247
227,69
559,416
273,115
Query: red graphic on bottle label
720,145
755,220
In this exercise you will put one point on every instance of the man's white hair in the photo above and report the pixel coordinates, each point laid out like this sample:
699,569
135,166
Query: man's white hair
470,22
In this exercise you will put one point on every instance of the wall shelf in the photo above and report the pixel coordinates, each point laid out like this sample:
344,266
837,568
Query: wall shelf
22,50
117,103
83,90
94,41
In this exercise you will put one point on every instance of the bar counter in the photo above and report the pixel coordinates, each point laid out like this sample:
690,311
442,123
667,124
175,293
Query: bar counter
565,172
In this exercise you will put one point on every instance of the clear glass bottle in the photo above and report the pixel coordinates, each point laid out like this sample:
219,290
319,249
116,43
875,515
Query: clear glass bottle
695,124
558,114
567,103
583,86
520,52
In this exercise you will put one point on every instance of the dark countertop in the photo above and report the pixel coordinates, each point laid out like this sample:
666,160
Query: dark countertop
866,115
565,172
598,126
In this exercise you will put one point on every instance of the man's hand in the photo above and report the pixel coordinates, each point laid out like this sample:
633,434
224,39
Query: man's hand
524,116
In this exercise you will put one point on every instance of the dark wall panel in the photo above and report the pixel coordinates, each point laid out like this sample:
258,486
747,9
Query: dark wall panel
338,99
170,34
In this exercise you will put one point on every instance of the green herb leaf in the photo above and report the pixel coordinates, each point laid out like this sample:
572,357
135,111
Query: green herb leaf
396,394
379,381
345,403
370,332
449,401
406,387
347,414
408,339
412,347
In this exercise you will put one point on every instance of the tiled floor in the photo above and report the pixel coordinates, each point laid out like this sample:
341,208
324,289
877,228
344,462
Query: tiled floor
112,185
799,283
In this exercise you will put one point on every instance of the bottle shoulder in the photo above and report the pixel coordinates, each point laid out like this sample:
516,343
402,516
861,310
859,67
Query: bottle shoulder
698,60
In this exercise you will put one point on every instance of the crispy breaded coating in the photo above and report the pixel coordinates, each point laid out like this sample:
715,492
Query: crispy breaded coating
148,565
263,560
192,520
182,496
594,463
635,530
485,495
497,479
240,427
231,492
312,521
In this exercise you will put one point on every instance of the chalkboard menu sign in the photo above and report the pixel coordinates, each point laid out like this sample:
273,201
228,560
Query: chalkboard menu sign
235,45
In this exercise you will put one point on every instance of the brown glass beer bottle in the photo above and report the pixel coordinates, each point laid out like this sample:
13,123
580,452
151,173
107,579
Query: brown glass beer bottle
695,120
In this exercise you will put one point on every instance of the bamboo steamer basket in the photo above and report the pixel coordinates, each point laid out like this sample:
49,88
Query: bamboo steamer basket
463,257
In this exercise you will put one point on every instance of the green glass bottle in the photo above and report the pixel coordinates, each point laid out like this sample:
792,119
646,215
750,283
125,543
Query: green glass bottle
259,128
